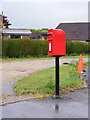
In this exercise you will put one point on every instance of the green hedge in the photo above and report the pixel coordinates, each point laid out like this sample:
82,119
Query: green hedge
37,48
23,48
77,48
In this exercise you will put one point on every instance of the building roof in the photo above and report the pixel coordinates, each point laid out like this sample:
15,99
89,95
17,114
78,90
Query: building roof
16,31
76,31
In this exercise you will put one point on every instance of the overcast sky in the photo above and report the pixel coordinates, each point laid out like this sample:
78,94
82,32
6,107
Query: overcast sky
44,14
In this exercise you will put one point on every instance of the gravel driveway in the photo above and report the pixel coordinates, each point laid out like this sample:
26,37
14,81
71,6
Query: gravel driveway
10,72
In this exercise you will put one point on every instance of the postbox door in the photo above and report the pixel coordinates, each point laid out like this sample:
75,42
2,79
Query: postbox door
59,43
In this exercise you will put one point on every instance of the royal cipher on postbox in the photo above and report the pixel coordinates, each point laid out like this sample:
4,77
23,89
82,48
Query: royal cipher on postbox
56,42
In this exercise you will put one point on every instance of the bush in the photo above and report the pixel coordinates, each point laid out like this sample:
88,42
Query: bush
38,48
76,48
24,48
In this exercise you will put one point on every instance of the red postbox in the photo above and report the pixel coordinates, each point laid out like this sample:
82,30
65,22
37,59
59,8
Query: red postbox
56,42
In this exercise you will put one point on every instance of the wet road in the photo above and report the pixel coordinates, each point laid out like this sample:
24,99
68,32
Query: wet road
88,75
73,105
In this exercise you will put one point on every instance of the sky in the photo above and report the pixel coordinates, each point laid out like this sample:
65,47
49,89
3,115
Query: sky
45,14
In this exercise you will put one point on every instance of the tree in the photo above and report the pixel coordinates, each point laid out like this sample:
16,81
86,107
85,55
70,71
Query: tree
6,22
39,30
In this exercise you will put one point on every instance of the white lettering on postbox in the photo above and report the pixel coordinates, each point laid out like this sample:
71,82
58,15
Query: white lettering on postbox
50,46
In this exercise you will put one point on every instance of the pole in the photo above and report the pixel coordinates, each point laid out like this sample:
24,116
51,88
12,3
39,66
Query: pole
57,75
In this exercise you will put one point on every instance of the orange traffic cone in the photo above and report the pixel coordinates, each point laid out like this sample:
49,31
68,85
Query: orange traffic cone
80,64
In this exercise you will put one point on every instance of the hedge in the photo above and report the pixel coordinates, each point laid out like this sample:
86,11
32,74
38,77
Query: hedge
38,48
77,48
23,48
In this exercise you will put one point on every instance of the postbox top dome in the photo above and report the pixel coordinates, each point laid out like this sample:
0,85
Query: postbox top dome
56,30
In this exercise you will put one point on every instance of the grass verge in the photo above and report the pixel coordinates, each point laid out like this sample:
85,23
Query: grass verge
6,59
43,82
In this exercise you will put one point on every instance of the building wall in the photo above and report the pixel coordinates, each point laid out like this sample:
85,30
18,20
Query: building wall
39,35
25,37
6,36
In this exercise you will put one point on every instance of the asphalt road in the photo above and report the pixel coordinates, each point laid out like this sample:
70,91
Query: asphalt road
88,75
72,105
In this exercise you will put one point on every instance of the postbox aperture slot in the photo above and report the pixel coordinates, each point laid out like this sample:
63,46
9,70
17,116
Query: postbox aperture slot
49,34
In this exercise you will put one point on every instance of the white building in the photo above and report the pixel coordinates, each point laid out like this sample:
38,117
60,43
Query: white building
16,33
